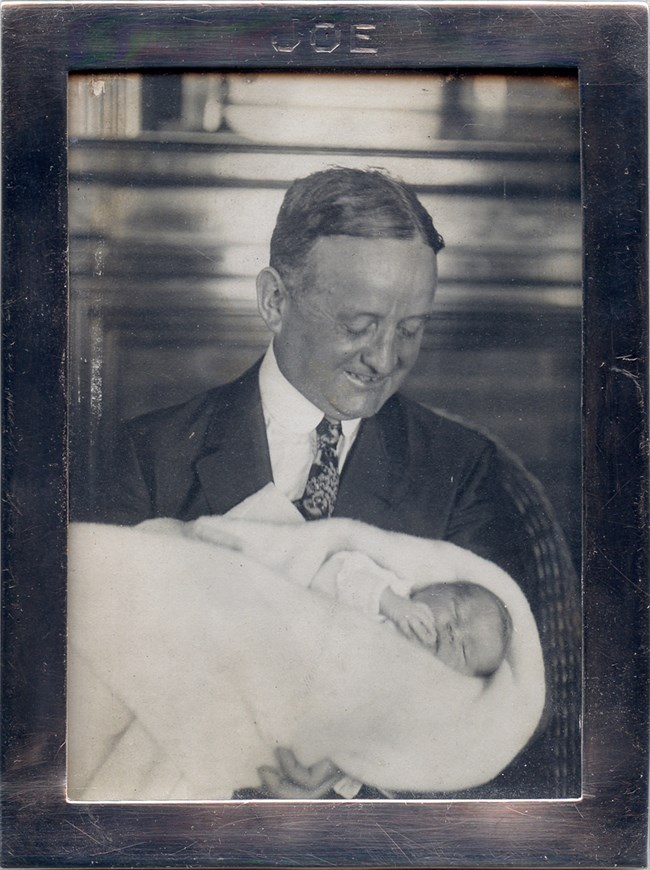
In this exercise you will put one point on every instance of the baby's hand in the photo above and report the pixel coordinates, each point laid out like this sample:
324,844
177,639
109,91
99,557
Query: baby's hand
413,618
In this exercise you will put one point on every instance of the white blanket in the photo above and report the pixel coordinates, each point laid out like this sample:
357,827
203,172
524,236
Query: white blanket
190,663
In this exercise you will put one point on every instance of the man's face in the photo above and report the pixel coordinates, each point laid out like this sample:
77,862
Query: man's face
350,335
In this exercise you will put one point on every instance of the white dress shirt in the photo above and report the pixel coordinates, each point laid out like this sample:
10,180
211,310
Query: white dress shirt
291,422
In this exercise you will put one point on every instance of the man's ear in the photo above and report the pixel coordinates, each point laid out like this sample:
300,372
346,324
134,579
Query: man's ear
272,298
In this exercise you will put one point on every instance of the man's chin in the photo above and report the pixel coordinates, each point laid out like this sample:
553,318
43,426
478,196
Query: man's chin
353,407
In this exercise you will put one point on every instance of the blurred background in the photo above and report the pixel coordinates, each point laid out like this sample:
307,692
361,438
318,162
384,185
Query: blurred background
175,183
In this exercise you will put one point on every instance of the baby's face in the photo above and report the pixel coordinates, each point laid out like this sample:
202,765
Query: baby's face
470,636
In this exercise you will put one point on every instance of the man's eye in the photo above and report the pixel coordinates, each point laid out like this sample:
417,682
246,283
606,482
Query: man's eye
356,330
410,330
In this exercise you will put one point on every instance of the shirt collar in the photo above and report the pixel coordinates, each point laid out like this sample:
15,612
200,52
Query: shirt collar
286,406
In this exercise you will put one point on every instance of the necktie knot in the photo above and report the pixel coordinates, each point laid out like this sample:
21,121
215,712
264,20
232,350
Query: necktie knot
328,432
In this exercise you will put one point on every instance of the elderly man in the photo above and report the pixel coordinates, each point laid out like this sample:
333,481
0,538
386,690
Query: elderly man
347,296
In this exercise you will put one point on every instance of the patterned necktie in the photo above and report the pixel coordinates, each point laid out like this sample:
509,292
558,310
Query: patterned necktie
318,499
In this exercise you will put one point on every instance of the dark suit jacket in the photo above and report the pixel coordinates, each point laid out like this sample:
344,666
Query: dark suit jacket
409,470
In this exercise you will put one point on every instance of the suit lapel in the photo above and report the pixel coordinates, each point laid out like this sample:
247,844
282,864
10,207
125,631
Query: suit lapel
375,478
235,462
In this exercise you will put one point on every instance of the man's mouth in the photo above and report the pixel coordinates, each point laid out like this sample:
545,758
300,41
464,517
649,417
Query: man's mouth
366,380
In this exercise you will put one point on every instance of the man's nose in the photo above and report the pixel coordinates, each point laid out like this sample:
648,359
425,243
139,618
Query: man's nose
381,355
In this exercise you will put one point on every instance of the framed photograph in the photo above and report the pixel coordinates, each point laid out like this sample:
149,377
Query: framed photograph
381,267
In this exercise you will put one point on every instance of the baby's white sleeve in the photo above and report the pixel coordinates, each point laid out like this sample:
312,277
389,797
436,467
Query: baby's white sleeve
358,581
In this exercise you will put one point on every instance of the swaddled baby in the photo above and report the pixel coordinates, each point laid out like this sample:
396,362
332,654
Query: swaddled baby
464,625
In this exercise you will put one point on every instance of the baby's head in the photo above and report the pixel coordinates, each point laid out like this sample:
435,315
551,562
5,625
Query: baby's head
472,625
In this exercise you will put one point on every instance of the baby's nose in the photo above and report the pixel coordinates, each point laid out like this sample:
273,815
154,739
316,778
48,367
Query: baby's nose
455,630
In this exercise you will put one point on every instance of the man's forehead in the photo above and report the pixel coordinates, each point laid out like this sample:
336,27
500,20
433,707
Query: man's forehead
336,246
371,269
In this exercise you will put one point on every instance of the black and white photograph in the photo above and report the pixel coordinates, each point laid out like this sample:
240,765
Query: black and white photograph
324,435
324,463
